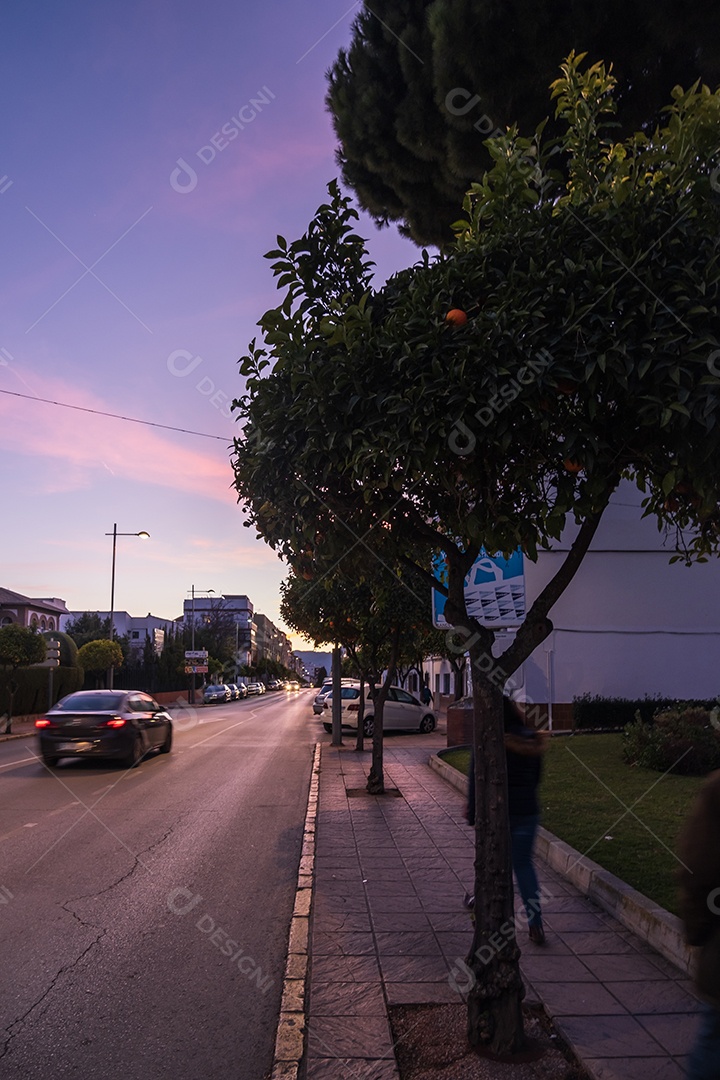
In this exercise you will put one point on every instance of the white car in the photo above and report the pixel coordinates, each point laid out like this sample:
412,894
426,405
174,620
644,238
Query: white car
325,689
402,712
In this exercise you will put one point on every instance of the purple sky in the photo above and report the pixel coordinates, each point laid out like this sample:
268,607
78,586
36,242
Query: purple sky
123,294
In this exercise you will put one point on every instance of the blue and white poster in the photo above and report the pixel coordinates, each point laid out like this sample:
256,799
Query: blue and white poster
494,590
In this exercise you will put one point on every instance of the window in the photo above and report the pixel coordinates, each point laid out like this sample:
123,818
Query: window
437,685
134,634
403,696
414,682
446,683
51,624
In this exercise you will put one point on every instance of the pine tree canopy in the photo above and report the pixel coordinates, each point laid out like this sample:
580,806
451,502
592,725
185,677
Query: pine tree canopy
424,83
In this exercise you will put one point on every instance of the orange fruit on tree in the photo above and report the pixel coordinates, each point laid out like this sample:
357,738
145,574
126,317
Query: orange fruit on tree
572,465
456,317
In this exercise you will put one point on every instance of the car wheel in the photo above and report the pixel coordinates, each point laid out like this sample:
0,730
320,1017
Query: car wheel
427,724
50,760
328,728
369,726
167,745
136,755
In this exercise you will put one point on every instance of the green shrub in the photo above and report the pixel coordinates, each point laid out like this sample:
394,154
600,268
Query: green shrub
615,712
684,740
32,693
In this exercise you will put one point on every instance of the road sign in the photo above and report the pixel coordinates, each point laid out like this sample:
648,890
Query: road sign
196,654
52,655
196,669
494,590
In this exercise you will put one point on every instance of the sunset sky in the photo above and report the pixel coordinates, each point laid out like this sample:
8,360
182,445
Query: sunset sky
133,277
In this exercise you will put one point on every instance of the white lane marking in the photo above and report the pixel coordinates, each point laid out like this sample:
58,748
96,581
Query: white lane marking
239,724
62,809
31,825
22,761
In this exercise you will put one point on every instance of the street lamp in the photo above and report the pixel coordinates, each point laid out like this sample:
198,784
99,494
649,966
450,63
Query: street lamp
144,536
193,591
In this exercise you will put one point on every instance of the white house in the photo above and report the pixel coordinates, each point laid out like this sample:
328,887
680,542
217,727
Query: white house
629,624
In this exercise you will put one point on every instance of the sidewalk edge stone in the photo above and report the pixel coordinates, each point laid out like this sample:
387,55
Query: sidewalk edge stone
292,1022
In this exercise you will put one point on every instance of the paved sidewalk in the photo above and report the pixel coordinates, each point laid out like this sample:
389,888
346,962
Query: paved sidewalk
388,928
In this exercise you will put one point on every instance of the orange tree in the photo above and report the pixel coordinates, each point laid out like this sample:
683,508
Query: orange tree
380,617
591,354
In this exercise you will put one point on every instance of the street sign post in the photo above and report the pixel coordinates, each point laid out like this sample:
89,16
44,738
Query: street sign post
196,654
196,669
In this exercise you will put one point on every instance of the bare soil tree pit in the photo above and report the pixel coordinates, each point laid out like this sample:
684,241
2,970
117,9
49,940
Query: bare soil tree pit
431,1044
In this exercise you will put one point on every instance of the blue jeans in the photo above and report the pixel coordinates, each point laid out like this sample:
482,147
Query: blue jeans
522,837
704,1061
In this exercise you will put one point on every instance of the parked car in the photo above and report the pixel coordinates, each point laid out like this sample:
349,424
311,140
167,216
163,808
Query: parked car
121,724
319,701
402,712
274,684
216,692
325,689
255,688
243,689
235,692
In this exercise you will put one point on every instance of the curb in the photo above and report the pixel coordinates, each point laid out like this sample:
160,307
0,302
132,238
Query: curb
651,923
290,1037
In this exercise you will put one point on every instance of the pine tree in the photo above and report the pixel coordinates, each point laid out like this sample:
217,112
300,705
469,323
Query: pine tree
425,82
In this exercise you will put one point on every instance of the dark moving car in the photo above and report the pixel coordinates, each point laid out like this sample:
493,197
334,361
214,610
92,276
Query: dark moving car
121,724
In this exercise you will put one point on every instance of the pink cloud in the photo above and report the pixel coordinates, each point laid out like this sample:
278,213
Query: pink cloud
90,445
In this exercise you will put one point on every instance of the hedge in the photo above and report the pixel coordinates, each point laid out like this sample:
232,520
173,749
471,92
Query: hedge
31,695
616,712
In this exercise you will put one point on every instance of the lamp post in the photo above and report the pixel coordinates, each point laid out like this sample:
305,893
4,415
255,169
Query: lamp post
193,591
144,536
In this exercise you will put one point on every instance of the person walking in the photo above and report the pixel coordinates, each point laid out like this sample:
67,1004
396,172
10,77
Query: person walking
426,695
524,748
699,879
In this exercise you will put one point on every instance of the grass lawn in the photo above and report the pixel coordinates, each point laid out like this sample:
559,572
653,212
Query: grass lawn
624,818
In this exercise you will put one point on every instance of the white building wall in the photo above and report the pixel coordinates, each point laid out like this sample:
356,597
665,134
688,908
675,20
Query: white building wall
629,623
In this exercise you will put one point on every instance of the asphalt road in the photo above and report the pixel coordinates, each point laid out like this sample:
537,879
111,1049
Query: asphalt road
144,914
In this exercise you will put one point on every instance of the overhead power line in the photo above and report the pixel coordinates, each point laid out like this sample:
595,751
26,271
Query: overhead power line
115,416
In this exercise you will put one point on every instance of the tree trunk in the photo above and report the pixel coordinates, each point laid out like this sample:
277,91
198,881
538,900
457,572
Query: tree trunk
376,777
494,1002
360,739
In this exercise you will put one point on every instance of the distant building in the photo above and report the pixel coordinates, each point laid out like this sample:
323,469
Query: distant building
238,608
30,612
135,628
272,644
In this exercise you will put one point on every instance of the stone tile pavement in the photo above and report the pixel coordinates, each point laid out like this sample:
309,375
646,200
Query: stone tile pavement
388,928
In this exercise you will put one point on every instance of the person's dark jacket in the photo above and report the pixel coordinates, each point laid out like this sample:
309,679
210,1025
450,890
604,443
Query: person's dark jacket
524,748
699,877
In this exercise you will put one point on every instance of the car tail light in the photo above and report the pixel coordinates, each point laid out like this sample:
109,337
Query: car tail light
353,708
115,722
42,722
